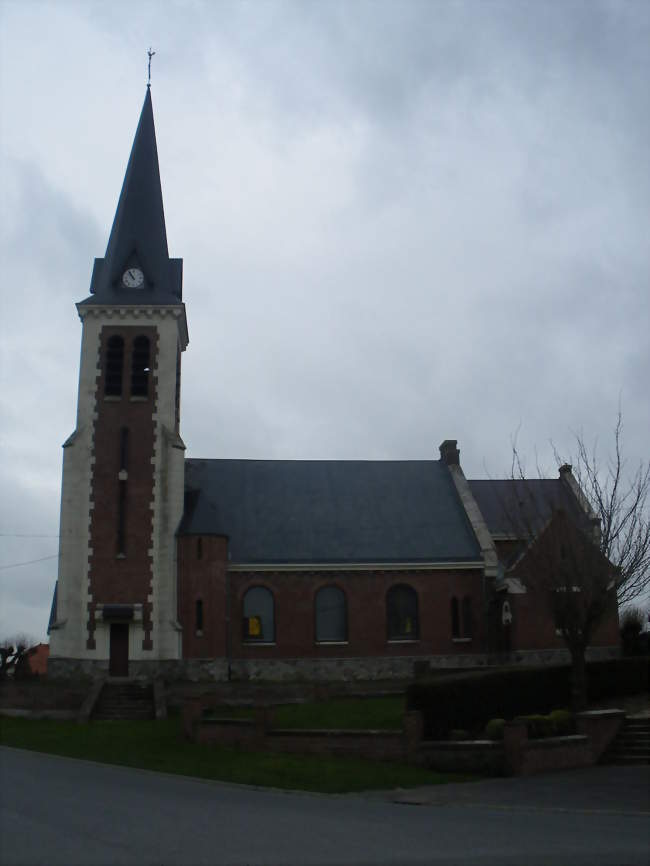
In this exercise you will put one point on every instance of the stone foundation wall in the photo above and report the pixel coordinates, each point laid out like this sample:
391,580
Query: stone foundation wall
194,670
348,669
315,669
62,668
558,656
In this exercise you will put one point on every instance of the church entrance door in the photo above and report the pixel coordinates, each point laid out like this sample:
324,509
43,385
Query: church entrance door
118,665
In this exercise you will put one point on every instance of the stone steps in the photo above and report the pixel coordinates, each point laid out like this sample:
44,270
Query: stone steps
124,701
632,745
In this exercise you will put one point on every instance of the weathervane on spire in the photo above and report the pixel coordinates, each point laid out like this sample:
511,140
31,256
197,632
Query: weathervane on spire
150,54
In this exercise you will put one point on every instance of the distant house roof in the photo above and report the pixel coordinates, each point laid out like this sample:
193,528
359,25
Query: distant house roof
509,504
37,657
307,511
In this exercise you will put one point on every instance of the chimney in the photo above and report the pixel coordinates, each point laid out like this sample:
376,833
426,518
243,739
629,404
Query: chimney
449,453
565,469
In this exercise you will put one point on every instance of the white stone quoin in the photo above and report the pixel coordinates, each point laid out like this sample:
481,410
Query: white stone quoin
69,632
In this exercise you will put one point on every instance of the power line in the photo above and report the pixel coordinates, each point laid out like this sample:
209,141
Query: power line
25,535
29,562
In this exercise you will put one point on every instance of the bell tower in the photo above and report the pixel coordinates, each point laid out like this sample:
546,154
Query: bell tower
123,467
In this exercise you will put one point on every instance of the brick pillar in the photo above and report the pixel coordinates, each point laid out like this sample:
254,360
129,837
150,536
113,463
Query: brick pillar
515,740
263,717
601,726
413,726
192,712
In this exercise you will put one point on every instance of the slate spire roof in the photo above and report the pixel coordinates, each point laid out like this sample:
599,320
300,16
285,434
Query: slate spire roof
138,237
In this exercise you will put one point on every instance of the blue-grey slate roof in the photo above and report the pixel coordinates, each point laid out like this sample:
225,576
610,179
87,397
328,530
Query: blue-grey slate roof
320,511
512,506
138,237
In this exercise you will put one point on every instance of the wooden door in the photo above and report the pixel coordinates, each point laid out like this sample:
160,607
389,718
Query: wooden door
118,665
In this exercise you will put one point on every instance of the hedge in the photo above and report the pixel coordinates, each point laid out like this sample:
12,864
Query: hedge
559,723
470,700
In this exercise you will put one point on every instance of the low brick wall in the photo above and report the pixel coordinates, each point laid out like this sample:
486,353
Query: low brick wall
601,726
521,758
253,735
484,757
517,755
374,745
556,753
52,715
243,733
259,734
43,694
525,757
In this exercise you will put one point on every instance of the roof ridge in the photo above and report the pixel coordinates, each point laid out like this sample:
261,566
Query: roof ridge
307,460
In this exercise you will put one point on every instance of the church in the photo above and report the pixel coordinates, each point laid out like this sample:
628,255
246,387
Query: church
263,569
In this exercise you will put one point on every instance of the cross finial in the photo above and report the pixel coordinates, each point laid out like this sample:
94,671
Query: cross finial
150,54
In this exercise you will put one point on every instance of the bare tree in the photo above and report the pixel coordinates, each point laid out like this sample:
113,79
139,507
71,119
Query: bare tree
633,620
13,654
563,566
619,498
585,544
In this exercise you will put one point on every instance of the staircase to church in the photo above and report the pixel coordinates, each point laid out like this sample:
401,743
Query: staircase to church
124,700
632,745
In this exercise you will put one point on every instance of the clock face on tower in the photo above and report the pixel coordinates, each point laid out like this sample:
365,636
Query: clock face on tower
132,278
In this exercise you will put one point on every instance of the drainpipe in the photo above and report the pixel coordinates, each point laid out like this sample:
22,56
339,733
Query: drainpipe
228,625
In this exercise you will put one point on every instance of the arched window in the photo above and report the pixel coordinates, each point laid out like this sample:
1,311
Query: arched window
113,366
140,367
331,615
461,618
455,618
199,616
259,615
402,613
467,616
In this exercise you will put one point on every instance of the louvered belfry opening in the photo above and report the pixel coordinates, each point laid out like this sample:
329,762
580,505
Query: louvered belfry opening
114,366
140,367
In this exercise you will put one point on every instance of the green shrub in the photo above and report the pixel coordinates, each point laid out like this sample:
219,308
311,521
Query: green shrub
556,724
538,726
458,734
494,729
563,722
470,700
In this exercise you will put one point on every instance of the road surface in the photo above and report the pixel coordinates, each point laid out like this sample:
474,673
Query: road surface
64,811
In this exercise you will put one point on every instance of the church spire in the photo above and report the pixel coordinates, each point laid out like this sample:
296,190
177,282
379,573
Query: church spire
138,239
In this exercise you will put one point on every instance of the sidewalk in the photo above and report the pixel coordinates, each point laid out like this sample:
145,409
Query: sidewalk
606,789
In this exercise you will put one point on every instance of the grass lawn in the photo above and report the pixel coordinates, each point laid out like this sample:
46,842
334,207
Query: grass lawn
383,713
161,746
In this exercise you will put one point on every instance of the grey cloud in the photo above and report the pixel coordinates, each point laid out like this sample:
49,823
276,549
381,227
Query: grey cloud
401,222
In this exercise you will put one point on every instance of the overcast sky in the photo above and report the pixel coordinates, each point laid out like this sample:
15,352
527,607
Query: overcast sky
400,222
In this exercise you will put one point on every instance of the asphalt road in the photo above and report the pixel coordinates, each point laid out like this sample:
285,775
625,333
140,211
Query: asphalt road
62,811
